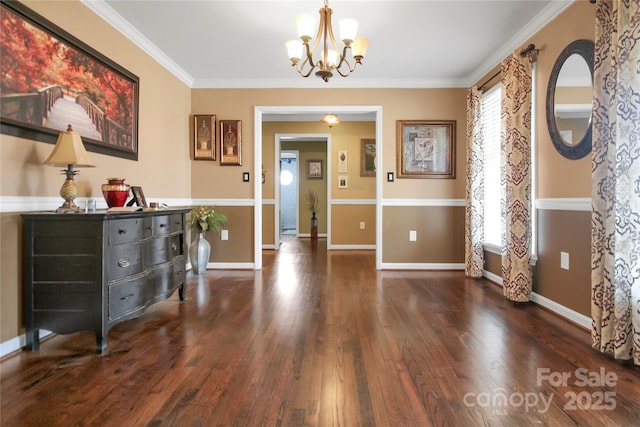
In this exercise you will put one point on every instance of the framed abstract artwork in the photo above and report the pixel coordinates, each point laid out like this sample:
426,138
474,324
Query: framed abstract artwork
426,148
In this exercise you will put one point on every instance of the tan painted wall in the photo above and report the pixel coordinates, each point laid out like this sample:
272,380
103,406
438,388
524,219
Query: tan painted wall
440,234
397,104
558,176
239,247
564,231
345,225
163,168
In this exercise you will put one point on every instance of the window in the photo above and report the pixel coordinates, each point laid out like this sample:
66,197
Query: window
492,188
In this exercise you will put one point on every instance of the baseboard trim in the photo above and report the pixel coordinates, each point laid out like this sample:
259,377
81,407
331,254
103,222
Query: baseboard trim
565,204
423,202
557,309
351,247
226,266
17,343
230,266
422,266
562,311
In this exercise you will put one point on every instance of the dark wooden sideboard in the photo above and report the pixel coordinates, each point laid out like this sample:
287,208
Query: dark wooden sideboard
92,271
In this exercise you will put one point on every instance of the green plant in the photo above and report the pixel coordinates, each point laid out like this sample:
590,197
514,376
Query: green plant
205,218
312,199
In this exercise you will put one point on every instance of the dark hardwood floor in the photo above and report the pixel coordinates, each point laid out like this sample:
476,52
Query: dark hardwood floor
323,339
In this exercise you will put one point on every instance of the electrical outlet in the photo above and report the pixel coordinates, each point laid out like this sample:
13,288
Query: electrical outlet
224,234
413,235
361,225
564,260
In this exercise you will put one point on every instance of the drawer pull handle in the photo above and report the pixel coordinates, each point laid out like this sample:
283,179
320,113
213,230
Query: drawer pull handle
174,247
124,263
149,227
128,296
122,231
163,225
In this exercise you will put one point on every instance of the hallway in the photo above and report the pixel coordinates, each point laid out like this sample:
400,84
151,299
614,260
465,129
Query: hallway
321,338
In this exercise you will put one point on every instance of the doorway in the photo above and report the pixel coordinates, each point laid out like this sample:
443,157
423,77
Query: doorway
289,193
296,111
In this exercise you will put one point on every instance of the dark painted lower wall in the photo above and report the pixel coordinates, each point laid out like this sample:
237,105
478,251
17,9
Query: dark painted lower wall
439,229
564,231
560,231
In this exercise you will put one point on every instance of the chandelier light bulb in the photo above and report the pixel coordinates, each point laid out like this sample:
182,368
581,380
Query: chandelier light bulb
306,26
348,30
294,48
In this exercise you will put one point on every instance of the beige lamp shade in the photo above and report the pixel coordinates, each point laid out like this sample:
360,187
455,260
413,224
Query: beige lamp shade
69,150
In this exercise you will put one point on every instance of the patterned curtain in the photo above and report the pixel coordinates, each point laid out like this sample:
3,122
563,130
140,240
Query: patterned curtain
474,208
517,276
615,220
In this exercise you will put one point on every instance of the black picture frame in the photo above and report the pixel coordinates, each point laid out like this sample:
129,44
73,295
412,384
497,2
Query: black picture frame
138,196
110,108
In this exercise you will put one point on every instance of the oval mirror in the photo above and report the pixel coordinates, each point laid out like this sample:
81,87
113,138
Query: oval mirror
569,100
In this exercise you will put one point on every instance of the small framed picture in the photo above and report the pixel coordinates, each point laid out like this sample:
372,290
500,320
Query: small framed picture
367,157
230,142
342,161
204,137
342,181
138,196
314,169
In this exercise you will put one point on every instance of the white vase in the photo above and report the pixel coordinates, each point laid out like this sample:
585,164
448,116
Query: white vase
199,252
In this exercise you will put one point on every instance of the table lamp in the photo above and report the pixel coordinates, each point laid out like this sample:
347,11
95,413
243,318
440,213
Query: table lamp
69,152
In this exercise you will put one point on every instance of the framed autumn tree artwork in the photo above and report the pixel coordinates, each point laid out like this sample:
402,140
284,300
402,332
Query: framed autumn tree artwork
50,79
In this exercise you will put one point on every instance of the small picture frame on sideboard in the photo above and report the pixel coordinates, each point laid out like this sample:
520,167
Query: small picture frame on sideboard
138,196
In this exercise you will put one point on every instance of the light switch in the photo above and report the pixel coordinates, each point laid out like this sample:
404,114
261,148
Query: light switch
413,235
361,225
224,234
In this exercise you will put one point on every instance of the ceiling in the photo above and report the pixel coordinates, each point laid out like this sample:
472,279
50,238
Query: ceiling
412,44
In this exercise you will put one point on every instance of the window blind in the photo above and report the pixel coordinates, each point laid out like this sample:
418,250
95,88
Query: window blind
492,190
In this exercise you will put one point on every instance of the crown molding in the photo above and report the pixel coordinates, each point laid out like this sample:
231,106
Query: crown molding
107,13
547,15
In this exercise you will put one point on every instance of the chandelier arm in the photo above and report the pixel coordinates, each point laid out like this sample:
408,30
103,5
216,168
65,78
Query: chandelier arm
309,58
349,68
343,59
329,32
301,67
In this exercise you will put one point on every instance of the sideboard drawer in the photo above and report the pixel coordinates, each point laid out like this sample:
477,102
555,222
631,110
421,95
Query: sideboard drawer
126,297
126,231
124,260
164,249
161,225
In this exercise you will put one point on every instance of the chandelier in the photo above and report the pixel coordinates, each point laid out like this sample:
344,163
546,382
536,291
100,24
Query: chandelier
301,54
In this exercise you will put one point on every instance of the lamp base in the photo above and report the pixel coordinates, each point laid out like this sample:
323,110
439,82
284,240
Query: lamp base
69,192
